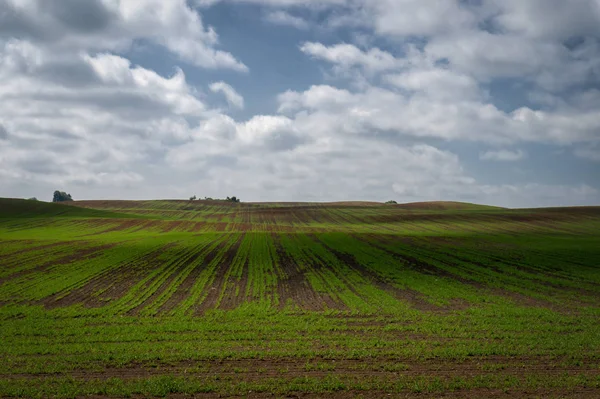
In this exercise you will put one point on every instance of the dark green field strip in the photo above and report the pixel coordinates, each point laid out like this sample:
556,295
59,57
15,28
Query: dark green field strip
451,266
464,265
397,272
17,208
544,265
537,270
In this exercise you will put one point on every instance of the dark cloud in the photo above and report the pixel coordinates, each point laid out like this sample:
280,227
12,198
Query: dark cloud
223,161
68,73
285,141
54,19
15,23
42,165
3,132
81,16
130,105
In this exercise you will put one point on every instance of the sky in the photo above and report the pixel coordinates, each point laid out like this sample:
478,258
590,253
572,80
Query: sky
487,101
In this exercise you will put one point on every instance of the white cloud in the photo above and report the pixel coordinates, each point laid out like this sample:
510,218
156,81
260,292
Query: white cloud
233,97
284,18
418,17
554,19
78,114
279,3
97,25
451,118
502,155
322,97
93,129
347,55
439,83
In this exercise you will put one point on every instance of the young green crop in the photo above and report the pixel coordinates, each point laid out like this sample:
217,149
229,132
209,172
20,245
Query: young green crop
206,296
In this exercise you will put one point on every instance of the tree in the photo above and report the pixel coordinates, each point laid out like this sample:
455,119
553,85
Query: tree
192,198
391,202
32,199
233,199
61,196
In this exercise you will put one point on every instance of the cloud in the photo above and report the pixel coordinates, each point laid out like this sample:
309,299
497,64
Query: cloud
591,154
83,116
284,18
502,155
95,130
70,25
347,55
549,19
233,97
418,17
438,83
422,115
3,132
278,3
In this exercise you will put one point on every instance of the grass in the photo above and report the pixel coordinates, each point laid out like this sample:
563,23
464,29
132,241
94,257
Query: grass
153,298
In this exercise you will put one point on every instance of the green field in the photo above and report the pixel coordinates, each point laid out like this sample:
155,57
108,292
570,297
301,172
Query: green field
210,298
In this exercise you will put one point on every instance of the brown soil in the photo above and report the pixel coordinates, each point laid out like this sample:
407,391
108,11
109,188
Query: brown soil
415,263
31,247
171,225
421,265
107,204
86,253
110,285
583,393
120,226
288,368
234,292
414,298
184,288
174,273
293,284
437,205
216,287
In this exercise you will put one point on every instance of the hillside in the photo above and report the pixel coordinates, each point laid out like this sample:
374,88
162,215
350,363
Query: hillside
446,206
20,208
208,298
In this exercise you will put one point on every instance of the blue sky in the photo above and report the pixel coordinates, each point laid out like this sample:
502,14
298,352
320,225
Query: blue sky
489,101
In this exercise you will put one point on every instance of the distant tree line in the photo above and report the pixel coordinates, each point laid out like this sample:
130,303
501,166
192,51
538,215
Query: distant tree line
230,199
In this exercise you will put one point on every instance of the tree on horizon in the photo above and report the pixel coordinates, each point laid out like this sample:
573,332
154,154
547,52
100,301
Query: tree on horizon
61,196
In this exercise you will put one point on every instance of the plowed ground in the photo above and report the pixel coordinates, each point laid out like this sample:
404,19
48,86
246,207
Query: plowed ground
211,299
